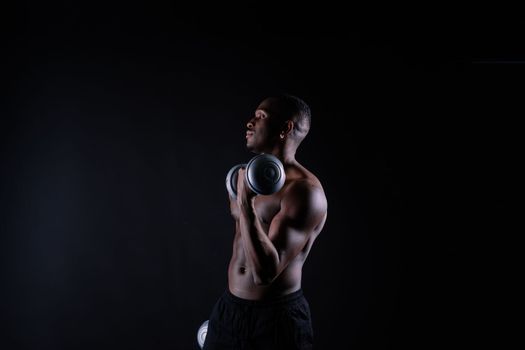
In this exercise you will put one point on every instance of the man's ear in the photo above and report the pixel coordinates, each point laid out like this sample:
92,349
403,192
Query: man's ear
288,126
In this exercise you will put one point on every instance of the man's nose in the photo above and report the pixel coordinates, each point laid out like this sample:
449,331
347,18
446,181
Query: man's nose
250,124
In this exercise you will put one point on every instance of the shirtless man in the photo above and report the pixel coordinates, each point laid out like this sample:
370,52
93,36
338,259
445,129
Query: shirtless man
264,306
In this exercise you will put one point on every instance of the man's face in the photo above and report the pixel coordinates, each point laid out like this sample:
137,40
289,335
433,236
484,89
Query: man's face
263,128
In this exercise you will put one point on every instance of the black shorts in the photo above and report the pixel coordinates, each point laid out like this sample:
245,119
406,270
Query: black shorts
281,323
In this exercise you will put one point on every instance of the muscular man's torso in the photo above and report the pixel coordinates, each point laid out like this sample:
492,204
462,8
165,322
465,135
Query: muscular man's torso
240,280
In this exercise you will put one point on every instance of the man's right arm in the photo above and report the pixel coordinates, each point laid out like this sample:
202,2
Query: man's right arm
234,208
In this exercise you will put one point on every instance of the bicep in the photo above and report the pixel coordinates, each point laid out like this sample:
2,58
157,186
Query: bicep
288,240
301,212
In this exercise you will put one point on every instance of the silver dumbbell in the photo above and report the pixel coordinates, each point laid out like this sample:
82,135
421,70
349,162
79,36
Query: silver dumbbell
264,175
201,334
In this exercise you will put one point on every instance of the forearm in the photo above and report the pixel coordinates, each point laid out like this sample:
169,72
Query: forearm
260,253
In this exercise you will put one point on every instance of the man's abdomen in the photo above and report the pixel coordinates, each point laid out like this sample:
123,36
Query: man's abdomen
242,285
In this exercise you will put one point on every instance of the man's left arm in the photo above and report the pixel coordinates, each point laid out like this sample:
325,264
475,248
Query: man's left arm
303,208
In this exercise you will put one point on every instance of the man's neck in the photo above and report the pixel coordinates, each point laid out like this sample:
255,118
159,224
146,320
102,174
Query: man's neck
286,155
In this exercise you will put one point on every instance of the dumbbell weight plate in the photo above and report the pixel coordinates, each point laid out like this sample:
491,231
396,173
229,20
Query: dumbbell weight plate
231,180
201,333
265,174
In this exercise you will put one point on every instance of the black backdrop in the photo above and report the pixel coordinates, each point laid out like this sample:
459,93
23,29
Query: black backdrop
119,124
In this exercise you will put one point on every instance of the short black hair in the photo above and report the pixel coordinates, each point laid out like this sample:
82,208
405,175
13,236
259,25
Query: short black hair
295,108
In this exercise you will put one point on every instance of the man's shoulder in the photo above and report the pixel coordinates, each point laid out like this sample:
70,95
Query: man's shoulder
304,204
306,191
301,176
308,184
305,181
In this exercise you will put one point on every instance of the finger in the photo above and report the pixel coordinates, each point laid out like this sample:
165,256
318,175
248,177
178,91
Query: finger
240,179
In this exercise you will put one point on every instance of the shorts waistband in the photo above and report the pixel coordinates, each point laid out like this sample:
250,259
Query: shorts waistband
283,299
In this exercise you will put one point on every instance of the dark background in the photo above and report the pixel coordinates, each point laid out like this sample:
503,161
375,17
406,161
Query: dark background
120,122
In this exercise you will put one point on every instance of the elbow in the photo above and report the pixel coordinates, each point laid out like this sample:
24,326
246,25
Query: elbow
264,279
260,282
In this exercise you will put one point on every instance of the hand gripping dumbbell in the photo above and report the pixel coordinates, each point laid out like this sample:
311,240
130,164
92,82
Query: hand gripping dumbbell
264,175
